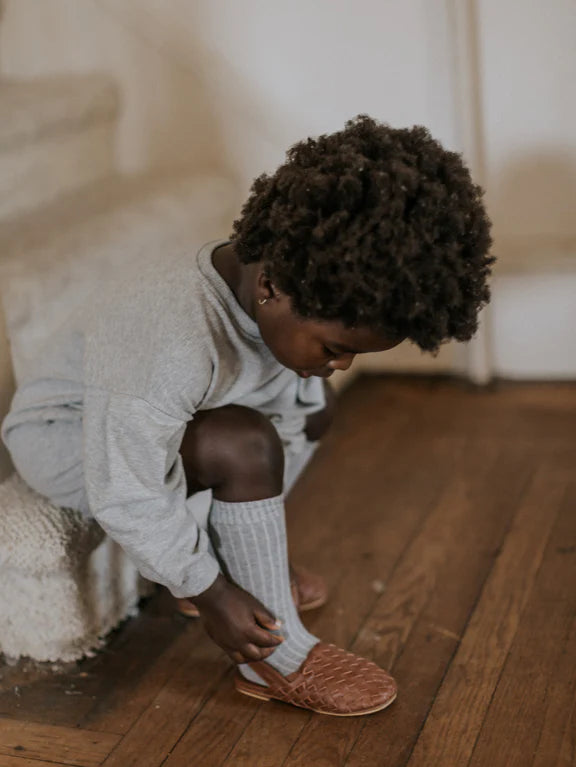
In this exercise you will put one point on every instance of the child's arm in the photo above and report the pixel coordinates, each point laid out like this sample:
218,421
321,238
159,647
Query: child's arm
137,492
301,411
318,423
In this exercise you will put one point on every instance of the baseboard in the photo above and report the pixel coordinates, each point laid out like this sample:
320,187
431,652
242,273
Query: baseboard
533,326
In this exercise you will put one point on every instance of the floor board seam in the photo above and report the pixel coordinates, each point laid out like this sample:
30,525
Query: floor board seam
520,616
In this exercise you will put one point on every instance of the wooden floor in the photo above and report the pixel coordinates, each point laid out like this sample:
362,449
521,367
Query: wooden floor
444,520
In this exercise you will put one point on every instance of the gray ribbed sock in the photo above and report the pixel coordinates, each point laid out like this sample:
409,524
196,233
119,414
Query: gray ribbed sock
250,540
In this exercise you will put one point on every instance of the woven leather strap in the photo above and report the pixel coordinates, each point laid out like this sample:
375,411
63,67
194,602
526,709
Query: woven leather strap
330,680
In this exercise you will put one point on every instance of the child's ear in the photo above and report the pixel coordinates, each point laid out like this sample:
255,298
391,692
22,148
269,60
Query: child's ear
266,288
275,293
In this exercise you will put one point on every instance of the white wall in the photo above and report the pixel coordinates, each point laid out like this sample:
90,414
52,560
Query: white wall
528,50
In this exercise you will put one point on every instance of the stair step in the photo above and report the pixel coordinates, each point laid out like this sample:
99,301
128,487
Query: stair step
52,259
56,134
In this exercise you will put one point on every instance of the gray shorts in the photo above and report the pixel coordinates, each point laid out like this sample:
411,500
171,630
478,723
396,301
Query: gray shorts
49,456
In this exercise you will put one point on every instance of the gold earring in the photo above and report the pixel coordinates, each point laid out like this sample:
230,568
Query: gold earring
262,301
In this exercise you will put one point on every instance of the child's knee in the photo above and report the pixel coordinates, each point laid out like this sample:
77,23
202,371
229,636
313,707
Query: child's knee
232,444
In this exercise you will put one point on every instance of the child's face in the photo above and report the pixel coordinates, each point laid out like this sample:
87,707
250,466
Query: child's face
313,347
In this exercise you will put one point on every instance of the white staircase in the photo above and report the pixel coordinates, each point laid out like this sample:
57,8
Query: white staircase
55,135
67,221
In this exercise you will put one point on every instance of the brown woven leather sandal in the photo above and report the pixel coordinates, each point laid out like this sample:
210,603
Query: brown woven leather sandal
330,681
308,591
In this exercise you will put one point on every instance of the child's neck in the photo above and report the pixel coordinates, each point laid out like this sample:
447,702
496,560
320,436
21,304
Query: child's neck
239,277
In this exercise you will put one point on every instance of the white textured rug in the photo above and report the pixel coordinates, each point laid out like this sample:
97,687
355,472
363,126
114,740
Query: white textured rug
64,583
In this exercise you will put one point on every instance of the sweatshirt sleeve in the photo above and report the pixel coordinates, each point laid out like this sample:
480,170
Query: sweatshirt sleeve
289,410
137,490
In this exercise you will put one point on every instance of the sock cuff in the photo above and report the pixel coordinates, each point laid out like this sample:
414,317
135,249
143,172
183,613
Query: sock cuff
229,512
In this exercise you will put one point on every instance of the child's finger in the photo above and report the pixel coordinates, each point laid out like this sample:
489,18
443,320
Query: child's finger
240,657
267,620
251,653
264,638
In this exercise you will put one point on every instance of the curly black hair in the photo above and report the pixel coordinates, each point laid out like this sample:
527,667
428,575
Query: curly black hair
373,226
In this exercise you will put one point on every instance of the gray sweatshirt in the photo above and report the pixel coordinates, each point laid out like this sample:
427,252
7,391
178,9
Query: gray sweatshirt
163,341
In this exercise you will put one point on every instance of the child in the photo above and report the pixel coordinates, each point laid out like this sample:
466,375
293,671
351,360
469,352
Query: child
200,372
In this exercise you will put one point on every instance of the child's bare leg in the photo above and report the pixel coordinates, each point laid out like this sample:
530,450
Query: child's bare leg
237,453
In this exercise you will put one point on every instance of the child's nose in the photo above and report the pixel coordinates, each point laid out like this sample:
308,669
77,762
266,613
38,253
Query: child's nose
342,363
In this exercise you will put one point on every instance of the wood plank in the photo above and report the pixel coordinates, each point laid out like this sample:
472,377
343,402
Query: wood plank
119,705
15,761
487,412
221,723
82,694
167,717
454,722
365,533
216,728
557,744
458,529
57,744
529,719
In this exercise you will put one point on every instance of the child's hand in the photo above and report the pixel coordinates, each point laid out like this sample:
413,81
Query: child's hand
318,423
237,621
